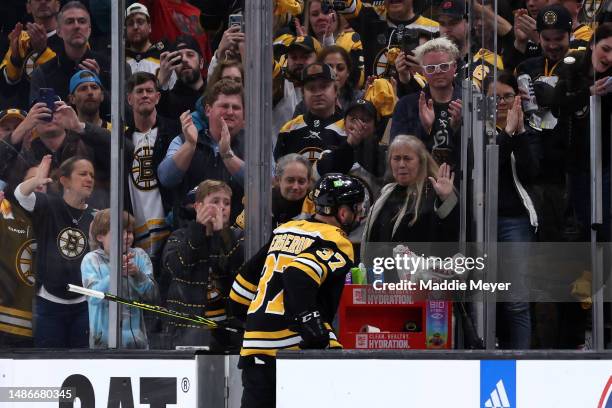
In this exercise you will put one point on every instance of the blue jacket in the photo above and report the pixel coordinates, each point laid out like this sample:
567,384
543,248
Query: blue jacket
95,269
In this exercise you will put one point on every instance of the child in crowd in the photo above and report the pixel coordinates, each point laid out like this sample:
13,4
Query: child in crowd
137,283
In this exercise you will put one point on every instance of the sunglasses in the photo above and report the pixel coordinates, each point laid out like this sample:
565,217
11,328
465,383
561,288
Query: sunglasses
443,67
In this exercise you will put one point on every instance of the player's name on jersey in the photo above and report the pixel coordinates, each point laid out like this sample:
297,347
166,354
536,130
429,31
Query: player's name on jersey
290,243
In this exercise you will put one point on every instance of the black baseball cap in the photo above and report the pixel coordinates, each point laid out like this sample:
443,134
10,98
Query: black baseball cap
554,17
453,8
366,106
183,42
318,70
307,43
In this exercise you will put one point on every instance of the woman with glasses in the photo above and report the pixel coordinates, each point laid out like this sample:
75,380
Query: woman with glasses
519,162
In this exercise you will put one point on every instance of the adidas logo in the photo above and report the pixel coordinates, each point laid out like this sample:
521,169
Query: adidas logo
499,398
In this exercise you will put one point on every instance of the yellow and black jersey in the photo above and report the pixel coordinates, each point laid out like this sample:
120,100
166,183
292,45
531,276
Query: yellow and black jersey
31,59
385,34
483,65
147,61
581,36
309,136
16,270
302,268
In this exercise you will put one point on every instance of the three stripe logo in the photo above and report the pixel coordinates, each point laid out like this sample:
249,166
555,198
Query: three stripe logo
499,397
498,384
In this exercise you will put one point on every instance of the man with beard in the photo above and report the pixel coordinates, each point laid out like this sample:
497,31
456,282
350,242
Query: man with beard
30,45
190,85
74,27
86,96
527,42
215,153
554,25
287,87
140,53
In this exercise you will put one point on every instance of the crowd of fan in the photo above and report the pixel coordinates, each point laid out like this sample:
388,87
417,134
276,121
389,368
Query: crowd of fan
368,89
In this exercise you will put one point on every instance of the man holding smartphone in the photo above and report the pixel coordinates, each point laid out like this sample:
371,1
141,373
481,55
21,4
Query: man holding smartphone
187,62
140,53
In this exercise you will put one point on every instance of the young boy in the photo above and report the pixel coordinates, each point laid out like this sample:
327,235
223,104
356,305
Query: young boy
137,283
200,261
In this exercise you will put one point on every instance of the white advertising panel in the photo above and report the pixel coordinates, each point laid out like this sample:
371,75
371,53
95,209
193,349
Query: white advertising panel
498,383
377,383
101,383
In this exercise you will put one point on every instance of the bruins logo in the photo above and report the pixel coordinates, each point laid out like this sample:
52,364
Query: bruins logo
550,17
384,62
71,243
24,262
311,153
142,172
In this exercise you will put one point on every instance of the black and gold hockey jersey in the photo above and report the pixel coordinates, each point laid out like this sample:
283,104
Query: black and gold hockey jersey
383,34
147,61
309,135
16,270
302,268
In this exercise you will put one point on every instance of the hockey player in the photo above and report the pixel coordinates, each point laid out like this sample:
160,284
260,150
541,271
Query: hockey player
292,287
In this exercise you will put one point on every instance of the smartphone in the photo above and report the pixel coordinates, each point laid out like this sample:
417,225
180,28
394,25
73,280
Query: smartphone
608,84
48,96
236,19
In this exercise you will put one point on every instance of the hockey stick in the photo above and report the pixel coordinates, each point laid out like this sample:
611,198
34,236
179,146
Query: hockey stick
151,308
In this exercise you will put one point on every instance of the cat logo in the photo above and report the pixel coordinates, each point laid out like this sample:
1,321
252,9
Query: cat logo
71,243
312,154
24,262
143,173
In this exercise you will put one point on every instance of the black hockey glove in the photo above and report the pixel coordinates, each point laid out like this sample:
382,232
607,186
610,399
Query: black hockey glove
310,327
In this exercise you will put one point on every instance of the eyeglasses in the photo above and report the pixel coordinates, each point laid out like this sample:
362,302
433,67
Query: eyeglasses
443,67
508,98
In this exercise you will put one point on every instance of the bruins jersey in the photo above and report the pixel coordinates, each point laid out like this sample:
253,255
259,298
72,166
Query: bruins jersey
31,58
309,136
16,270
303,268
483,65
384,34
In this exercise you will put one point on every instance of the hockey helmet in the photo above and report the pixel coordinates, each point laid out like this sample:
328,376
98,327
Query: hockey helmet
336,189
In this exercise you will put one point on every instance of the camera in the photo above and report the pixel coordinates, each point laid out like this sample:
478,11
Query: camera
327,6
407,39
